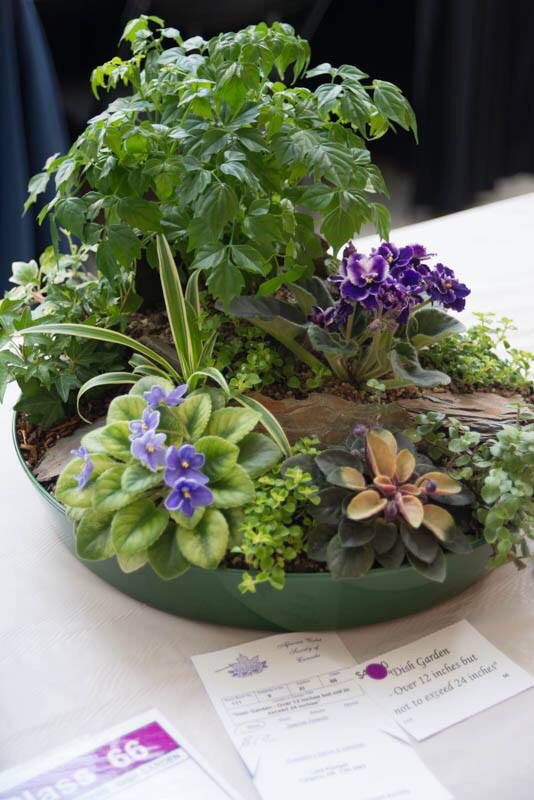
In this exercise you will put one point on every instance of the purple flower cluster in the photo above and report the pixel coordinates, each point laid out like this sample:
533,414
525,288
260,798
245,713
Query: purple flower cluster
389,283
187,483
86,471
182,465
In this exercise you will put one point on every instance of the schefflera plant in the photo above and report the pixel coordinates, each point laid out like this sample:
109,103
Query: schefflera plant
164,480
382,502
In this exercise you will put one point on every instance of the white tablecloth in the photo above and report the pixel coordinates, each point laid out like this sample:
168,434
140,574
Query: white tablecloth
77,656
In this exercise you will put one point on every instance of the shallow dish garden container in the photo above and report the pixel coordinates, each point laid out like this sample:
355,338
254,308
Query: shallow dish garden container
282,431
308,601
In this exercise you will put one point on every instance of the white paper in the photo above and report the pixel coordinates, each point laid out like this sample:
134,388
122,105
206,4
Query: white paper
444,678
144,757
266,688
352,763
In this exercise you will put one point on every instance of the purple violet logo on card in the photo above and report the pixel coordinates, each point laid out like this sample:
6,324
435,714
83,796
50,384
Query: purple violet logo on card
244,667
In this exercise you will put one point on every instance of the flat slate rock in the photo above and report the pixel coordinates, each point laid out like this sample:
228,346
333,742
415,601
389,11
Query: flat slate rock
60,454
330,418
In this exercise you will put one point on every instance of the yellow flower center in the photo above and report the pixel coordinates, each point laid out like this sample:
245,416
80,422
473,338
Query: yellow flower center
369,279
448,285
144,426
185,464
150,448
186,493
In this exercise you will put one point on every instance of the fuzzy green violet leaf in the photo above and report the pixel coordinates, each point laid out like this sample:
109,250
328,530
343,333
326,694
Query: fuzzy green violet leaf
137,526
165,556
317,541
348,562
406,365
393,558
232,424
132,563
435,571
234,490
93,536
109,496
205,545
125,408
419,543
355,534
137,479
220,454
257,454
194,414
429,324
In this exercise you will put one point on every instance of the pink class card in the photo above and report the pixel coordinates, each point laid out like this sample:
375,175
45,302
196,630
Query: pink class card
142,758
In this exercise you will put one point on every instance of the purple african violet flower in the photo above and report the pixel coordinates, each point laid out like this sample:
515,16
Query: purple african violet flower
444,288
86,471
323,317
158,395
176,397
148,422
149,449
364,278
188,495
184,463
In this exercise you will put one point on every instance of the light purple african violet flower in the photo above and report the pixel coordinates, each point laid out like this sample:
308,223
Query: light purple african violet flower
188,495
86,471
148,422
184,463
157,395
149,449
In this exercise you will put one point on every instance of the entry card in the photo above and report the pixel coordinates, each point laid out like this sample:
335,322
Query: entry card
139,759
347,763
263,689
442,679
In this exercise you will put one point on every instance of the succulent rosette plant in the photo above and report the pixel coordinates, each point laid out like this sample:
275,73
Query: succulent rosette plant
370,319
164,480
382,502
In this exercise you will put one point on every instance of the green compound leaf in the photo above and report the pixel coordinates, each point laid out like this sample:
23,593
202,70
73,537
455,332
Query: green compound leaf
67,490
205,546
233,424
258,453
221,456
93,536
137,479
137,526
108,495
165,556
234,490
348,562
125,408
114,438
194,414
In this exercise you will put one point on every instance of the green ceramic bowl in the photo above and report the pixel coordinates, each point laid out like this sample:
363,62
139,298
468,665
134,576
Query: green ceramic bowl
308,601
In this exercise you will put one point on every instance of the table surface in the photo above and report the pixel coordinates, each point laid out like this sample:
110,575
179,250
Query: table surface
77,656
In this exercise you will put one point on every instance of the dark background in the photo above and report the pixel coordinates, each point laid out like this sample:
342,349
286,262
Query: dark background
466,65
